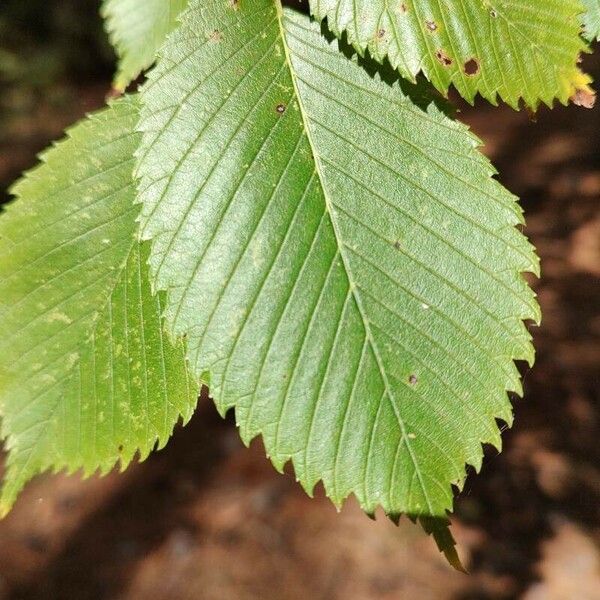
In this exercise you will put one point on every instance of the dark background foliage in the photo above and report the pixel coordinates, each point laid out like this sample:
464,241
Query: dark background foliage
208,519
55,63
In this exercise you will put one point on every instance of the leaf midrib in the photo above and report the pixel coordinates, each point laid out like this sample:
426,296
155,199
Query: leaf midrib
353,287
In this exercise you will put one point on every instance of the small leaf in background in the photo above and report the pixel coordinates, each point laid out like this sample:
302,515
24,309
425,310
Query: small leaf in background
137,30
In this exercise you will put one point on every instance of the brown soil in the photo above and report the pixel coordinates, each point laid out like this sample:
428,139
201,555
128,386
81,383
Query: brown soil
207,519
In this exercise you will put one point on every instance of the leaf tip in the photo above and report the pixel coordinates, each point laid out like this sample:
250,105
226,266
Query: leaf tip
579,90
584,97
439,528
5,508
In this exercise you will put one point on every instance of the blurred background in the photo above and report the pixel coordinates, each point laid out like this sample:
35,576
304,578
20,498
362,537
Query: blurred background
209,519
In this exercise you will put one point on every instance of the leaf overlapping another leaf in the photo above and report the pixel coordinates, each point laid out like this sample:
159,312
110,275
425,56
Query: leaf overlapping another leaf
344,266
510,49
87,377
137,30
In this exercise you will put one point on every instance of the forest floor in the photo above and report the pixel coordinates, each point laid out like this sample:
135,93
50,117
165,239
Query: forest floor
208,519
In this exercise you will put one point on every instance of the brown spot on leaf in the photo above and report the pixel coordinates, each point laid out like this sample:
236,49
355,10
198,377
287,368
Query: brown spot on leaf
471,67
216,36
443,58
234,4
280,108
381,34
403,8
412,379
397,245
114,93
431,25
584,97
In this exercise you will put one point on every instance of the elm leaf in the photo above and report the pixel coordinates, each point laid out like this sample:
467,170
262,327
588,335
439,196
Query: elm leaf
344,266
88,377
510,49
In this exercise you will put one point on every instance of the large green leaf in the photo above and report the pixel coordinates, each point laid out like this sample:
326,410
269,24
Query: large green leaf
591,21
508,48
87,377
137,30
344,266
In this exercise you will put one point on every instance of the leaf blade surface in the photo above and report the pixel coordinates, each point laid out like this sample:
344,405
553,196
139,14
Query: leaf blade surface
591,20
318,201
